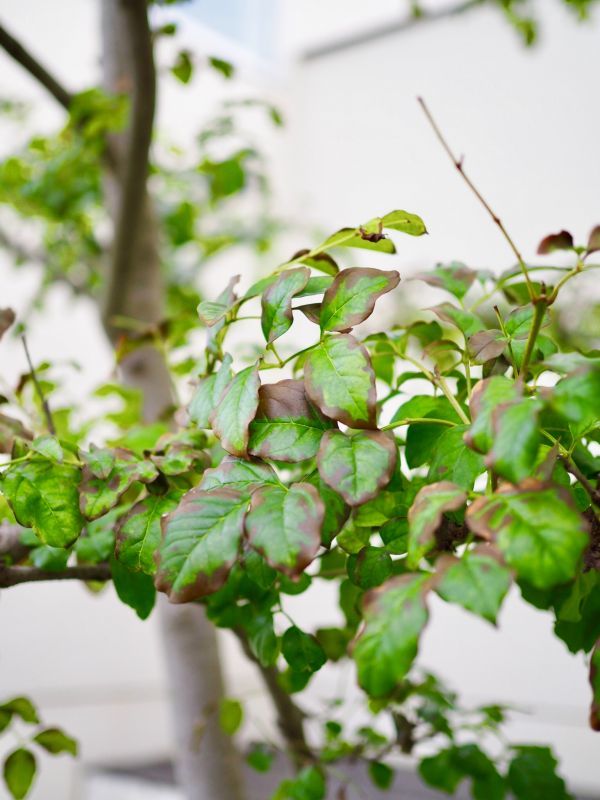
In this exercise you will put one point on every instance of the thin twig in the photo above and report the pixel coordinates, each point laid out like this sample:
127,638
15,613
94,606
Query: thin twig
571,467
13,576
458,163
38,389
23,57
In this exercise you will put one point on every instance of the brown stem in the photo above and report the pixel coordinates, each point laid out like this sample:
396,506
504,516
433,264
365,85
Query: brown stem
23,57
12,576
38,390
458,163
290,718
594,493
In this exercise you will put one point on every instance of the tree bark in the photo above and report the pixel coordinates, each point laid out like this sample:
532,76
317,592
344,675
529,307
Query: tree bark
206,761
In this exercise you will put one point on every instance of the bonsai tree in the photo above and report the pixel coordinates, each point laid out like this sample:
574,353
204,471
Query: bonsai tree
332,468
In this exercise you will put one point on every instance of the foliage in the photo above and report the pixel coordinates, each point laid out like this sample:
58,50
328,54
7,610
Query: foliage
336,470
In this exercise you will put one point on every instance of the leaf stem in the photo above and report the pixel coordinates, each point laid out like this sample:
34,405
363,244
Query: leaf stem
540,305
416,420
458,163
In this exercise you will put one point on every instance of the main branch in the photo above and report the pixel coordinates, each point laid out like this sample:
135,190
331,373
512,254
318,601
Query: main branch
23,57
13,576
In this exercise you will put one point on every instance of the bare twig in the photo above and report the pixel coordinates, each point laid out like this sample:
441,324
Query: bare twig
458,163
591,490
290,718
23,57
38,389
134,165
12,576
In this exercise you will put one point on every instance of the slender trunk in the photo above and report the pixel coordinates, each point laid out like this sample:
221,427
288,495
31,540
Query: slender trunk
207,763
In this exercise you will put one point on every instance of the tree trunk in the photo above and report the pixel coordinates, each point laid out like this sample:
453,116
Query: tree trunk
206,761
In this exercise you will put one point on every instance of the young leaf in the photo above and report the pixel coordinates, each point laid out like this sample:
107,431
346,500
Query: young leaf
486,396
477,582
340,381
139,532
302,651
352,296
99,495
516,439
284,525
452,460
276,302
19,772
231,715
395,614
404,222
43,495
287,426
455,278
210,312
532,773
49,447
537,529
135,589
426,514
201,539
208,392
357,465
21,707
56,741
235,410
595,685
466,322
593,244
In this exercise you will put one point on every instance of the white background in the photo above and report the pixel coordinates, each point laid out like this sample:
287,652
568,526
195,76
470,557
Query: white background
355,145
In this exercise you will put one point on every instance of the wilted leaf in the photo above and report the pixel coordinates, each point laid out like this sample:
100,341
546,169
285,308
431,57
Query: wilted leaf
235,409
201,539
352,296
426,514
287,426
395,614
284,525
357,465
339,379
537,529
478,582
277,302
43,495
139,533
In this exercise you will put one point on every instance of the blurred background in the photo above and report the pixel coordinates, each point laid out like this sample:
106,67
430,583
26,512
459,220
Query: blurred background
354,144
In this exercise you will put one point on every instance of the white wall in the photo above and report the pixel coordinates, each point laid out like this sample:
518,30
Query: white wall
356,145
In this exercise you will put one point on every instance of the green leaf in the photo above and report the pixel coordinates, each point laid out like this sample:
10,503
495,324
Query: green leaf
99,495
516,439
455,278
238,473
336,510
370,567
262,639
19,772
100,460
426,515
352,296
135,589
452,460
321,261
395,614
404,222
357,465
276,302
56,741
287,426
381,775
449,767
235,409
334,642
48,446
340,381
43,496
226,69
477,582
210,312
260,757
21,707
538,530
466,322
231,715
309,784
576,397
302,651
595,686
201,539
183,68
421,438
284,525
532,773
138,533
486,396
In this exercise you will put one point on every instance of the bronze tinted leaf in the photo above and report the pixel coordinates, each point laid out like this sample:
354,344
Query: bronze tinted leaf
276,302
234,411
555,241
352,296
486,345
426,514
7,317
